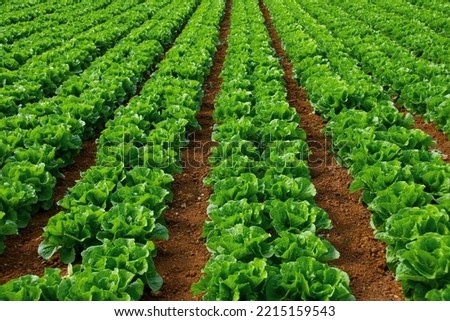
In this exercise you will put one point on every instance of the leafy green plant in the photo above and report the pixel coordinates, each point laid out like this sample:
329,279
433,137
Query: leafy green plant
439,295
397,196
307,279
297,216
85,193
25,288
17,202
7,227
70,232
33,175
144,194
124,254
377,177
409,224
233,213
32,288
225,278
126,220
242,242
424,265
234,150
289,247
103,285
283,187
235,188
233,166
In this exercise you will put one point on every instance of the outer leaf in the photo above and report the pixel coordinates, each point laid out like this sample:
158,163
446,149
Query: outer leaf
308,279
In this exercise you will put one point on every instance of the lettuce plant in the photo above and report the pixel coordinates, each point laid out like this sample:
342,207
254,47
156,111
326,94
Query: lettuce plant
235,188
126,220
289,247
396,197
233,213
124,254
229,279
307,279
70,232
424,265
408,225
297,216
100,285
242,242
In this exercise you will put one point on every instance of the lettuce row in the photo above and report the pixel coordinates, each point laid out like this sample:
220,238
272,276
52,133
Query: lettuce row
331,76
438,5
25,11
116,205
420,85
405,185
48,134
26,22
115,209
263,218
114,270
434,19
41,75
16,54
412,34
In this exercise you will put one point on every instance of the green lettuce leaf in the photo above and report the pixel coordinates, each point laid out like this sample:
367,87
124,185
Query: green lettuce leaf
70,232
396,197
124,254
104,285
424,265
227,279
130,221
242,242
409,224
283,187
235,188
25,288
233,213
296,217
289,247
439,295
307,279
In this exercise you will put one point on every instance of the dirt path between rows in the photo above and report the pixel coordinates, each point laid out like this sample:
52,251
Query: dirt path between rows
442,141
362,256
180,259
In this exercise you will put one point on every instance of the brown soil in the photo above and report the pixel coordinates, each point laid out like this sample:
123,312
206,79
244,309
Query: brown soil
20,256
181,258
362,256
442,141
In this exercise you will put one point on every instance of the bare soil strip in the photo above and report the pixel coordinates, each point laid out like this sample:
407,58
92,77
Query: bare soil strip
21,256
442,140
362,256
181,258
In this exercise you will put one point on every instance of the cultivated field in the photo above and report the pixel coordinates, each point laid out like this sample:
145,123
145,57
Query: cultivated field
225,150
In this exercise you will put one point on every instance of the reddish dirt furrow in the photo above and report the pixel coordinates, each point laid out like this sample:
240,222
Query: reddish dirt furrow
442,141
181,258
21,256
362,256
